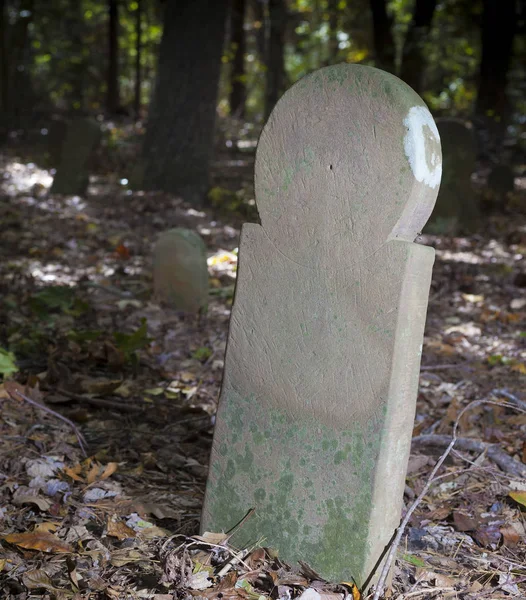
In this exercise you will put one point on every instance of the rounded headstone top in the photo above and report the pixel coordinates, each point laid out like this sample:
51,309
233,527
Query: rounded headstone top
350,157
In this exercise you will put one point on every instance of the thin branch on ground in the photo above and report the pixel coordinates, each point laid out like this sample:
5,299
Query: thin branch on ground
494,453
80,437
431,479
124,406
447,366
513,399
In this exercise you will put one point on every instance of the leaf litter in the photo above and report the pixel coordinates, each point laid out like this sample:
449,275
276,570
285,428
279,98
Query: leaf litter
141,381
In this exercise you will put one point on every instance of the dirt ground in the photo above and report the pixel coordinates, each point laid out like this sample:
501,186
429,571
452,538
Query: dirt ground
139,384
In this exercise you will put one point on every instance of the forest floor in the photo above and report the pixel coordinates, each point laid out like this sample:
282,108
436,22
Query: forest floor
140,383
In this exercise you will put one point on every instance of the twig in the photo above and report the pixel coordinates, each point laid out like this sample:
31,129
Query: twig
448,366
513,399
80,437
498,456
400,531
99,402
436,590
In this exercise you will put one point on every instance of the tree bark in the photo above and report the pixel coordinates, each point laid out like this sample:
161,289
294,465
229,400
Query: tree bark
276,77
138,56
332,8
384,46
179,138
112,101
498,29
238,45
4,72
413,60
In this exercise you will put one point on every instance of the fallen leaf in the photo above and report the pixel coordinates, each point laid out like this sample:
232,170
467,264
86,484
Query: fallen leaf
463,522
519,496
510,536
39,540
119,529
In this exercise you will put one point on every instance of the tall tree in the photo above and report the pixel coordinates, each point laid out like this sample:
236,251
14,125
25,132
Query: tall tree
238,46
180,132
413,59
112,100
332,9
276,78
499,24
138,58
384,46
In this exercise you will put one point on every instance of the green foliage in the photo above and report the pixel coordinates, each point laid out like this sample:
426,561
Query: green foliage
130,343
55,299
203,353
7,363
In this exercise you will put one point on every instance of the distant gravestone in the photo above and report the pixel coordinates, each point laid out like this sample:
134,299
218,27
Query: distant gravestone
457,208
72,176
321,374
180,270
55,140
501,181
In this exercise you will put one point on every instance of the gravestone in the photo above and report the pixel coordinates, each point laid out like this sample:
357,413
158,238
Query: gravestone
58,130
321,373
501,181
72,176
457,208
180,272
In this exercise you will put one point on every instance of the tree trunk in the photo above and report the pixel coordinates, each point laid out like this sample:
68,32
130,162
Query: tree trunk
238,45
276,57
261,37
179,139
332,8
112,101
4,72
138,53
413,61
498,29
384,46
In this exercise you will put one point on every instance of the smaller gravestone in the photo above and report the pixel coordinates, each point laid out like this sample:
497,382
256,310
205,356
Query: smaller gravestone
55,140
72,176
180,272
501,181
457,209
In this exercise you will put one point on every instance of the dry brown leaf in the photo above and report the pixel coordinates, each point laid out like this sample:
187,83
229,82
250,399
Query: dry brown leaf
510,536
93,473
109,469
47,526
39,540
211,538
74,472
124,556
464,522
119,529
38,579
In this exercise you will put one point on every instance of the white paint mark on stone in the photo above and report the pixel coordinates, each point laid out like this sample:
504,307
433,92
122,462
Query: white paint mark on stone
420,145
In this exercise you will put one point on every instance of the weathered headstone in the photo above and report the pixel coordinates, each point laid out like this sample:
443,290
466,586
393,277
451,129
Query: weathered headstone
180,272
501,181
55,141
318,399
72,176
457,207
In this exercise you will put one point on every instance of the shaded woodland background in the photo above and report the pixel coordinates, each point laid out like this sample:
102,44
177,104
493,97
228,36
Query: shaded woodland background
227,62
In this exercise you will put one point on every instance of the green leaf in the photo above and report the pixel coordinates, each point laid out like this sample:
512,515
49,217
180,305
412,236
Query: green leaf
202,353
56,297
7,363
414,560
129,343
